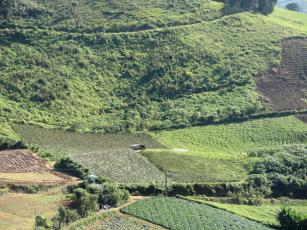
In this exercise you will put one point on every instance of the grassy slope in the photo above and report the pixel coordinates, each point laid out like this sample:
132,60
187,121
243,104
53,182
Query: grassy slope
218,153
266,213
114,81
179,214
18,211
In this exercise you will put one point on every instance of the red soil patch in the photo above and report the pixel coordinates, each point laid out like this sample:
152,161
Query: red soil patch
285,87
21,166
20,161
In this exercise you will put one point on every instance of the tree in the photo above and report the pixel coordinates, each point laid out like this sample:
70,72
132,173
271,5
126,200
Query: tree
41,223
293,6
84,201
112,195
7,7
266,6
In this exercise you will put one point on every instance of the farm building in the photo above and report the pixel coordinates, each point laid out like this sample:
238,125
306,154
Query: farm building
138,147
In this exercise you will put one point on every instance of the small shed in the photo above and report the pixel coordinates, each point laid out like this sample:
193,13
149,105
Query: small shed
138,147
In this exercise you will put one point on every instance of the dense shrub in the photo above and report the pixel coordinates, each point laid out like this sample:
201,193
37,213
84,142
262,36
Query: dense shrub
112,195
262,6
70,167
84,202
281,173
291,220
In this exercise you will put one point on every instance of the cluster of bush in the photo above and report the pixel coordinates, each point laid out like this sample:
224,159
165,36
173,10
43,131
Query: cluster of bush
289,219
72,168
281,173
6,143
86,198
262,6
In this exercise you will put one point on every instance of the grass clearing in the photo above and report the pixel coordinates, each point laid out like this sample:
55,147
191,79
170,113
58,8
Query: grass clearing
122,166
176,214
266,213
18,211
31,178
186,167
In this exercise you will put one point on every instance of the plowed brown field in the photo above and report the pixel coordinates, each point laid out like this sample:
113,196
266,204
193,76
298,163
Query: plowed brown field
21,166
285,87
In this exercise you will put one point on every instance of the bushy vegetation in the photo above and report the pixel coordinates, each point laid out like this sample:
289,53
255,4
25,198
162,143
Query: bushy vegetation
72,168
178,214
282,173
291,220
155,79
263,6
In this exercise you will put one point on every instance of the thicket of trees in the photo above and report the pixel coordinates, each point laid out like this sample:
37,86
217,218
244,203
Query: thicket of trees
293,6
263,6
86,198
281,173
290,219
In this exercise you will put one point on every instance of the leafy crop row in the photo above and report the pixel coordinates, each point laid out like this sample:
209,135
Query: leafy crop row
239,137
176,214
124,166
68,143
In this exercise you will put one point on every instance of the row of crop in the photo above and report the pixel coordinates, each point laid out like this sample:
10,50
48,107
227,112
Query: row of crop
176,214
72,143
121,166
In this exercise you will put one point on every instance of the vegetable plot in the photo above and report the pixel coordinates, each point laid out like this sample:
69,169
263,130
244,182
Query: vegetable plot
122,166
176,214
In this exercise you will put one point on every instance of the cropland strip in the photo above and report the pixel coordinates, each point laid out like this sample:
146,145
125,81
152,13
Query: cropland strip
176,214
68,143
123,166
265,213
21,166
237,138
187,167
113,220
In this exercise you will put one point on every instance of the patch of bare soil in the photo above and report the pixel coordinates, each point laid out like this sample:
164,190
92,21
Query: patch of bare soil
285,87
21,166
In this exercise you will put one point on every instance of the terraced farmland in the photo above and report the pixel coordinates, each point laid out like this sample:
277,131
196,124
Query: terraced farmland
63,143
176,214
20,166
122,166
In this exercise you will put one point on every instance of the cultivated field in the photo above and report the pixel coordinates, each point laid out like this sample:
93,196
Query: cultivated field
265,213
176,214
187,167
21,166
237,138
284,87
123,166
63,143
113,221
219,152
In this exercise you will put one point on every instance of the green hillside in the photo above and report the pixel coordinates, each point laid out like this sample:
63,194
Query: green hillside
170,65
